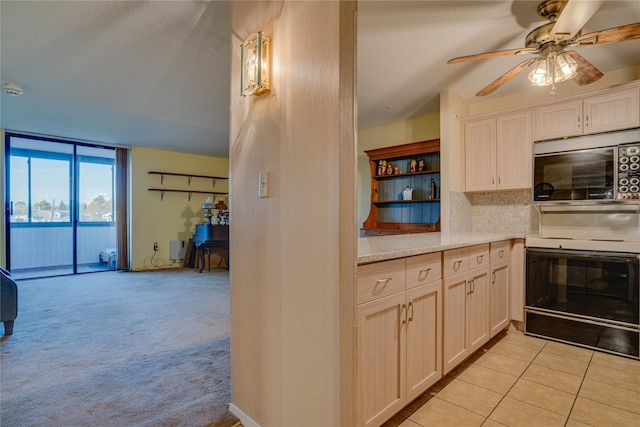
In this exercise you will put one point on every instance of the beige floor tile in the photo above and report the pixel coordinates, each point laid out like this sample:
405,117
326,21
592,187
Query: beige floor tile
488,378
614,377
567,350
621,398
518,338
542,396
562,363
514,351
408,423
596,414
616,362
576,423
503,364
439,413
514,413
553,378
491,423
471,397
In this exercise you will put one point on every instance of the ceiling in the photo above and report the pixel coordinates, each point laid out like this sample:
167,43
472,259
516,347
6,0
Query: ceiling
155,73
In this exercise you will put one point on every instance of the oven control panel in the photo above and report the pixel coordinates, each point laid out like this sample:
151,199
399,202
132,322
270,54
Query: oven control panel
629,172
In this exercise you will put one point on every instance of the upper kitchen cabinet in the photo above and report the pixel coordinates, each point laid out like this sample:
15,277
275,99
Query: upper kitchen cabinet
605,112
405,189
498,152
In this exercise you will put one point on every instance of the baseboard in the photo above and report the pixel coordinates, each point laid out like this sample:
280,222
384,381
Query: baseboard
245,419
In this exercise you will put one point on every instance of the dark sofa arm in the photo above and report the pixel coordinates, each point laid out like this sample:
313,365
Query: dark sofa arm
8,300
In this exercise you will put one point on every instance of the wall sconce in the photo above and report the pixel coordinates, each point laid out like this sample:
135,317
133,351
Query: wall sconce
256,63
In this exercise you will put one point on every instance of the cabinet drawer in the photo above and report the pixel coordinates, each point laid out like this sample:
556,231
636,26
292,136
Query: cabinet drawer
380,279
478,256
455,261
500,251
423,269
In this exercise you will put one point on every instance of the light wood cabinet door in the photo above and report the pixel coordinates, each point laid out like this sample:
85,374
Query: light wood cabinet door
478,329
612,111
424,335
558,120
517,280
454,348
514,147
381,374
499,296
480,155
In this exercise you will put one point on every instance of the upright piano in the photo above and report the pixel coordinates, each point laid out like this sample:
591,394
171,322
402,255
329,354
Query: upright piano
211,238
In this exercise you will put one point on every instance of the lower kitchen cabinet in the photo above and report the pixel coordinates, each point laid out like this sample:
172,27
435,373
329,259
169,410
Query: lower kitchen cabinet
500,301
399,339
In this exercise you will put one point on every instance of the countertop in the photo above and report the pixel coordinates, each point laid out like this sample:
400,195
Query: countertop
381,248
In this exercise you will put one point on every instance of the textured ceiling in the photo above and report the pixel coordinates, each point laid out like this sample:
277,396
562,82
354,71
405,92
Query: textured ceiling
156,73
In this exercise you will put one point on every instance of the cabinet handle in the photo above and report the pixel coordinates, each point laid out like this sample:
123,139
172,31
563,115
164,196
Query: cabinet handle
493,180
404,307
578,122
473,285
493,278
501,253
411,316
468,282
426,273
586,121
479,258
381,284
499,180
456,264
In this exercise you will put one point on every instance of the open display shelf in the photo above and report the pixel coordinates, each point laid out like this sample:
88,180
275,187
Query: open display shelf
389,213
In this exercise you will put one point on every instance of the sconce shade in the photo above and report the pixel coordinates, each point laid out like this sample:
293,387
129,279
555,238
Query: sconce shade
256,63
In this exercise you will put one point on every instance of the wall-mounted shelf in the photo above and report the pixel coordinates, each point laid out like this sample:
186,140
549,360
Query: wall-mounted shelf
189,192
188,175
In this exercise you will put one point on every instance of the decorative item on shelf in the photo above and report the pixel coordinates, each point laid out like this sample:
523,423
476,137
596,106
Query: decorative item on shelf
433,189
421,165
222,218
406,193
396,171
208,206
413,165
382,167
255,78
389,169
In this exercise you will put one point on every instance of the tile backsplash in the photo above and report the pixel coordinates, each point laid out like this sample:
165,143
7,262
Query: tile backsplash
510,211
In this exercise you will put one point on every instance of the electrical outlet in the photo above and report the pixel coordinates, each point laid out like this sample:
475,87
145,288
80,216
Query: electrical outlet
155,246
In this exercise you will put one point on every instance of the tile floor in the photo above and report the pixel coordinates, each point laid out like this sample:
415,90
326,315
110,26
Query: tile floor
518,380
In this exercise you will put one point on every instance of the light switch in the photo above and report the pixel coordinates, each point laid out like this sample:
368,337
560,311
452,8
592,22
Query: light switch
263,188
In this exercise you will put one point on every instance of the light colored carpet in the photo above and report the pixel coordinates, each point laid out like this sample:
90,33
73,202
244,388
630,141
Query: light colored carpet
119,349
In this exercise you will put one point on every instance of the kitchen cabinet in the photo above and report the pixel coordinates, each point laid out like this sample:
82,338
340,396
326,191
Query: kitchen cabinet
466,303
498,152
399,334
613,110
500,283
392,172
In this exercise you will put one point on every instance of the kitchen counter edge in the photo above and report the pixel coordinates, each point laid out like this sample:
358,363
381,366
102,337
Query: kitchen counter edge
383,248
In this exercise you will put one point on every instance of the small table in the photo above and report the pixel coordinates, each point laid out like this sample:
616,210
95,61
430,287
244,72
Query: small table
214,238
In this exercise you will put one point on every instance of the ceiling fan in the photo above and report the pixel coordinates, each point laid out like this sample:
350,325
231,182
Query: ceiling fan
549,41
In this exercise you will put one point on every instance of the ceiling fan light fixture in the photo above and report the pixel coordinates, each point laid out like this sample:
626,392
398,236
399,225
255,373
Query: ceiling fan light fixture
566,67
541,73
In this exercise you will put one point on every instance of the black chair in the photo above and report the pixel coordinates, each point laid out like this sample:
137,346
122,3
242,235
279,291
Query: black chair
8,301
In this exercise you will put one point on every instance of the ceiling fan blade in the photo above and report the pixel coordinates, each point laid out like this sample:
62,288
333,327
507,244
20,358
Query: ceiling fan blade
505,77
587,72
575,14
611,35
493,54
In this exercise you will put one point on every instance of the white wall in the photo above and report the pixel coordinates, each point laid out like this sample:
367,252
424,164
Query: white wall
293,253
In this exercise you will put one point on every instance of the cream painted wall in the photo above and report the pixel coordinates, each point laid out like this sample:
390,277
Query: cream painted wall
416,129
3,257
174,217
294,253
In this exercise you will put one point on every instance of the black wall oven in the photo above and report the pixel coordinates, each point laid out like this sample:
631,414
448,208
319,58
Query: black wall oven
588,298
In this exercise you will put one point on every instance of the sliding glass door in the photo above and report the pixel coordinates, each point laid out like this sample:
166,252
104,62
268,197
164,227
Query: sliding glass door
61,207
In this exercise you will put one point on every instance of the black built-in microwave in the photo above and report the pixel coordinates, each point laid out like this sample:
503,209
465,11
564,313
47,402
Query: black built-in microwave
596,168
